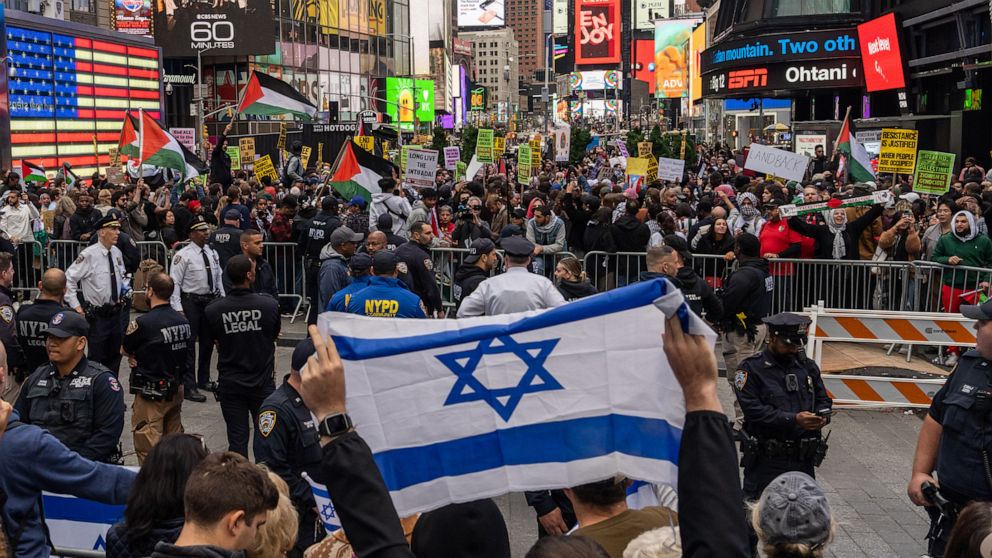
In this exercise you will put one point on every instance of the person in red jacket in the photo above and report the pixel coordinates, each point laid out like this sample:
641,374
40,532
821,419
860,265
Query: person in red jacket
778,240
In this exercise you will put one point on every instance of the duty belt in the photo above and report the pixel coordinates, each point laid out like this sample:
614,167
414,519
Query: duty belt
201,298
104,311
805,449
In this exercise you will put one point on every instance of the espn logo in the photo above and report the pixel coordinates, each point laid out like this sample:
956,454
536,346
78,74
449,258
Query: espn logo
742,79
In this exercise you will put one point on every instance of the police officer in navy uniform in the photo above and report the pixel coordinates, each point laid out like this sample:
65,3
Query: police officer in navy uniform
360,269
8,323
416,267
98,286
386,296
287,442
156,344
245,325
226,240
316,235
78,400
955,439
785,406
196,272
32,319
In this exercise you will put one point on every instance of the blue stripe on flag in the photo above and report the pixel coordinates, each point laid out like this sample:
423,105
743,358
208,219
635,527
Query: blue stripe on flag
555,442
78,509
619,300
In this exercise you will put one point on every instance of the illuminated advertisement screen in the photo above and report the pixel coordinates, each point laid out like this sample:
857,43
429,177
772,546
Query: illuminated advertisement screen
594,80
597,30
670,58
225,28
880,54
480,13
400,97
132,17
66,90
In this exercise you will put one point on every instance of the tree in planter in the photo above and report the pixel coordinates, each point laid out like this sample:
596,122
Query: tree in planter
634,137
438,142
580,139
470,134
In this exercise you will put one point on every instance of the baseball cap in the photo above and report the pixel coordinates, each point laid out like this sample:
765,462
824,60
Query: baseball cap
343,234
384,262
794,510
910,197
68,324
232,215
479,247
360,262
359,201
978,311
510,230
304,349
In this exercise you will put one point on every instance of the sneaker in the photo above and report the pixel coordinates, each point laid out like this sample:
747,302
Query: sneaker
195,396
951,360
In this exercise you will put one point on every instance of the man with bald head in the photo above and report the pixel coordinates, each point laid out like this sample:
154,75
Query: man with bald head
32,320
376,241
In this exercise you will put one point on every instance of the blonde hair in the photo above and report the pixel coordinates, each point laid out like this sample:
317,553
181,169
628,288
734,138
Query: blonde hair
790,550
278,535
573,267
663,542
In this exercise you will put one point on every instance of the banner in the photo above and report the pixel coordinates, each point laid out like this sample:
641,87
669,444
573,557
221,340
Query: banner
777,162
671,169
264,167
898,151
563,143
934,172
552,426
523,164
421,167
484,145
793,210
451,157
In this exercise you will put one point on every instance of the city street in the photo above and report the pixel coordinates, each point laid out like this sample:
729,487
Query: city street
864,475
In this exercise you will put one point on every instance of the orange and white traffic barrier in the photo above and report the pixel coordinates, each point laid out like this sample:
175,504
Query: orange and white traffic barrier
875,391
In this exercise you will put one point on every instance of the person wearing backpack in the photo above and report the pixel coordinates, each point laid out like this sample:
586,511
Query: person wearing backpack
396,206
293,171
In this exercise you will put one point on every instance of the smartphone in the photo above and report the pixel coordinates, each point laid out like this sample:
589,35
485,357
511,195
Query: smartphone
824,412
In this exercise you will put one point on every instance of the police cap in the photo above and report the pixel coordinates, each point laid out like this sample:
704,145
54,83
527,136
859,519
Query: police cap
479,248
199,224
343,234
68,324
232,215
304,349
384,262
517,247
510,230
109,221
791,328
360,262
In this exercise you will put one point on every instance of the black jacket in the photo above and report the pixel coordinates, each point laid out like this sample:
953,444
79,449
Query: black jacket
697,293
574,290
578,217
226,241
32,328
121,545
598,237
245,326
467,279
419,274
169,550
630,234
220,164
316,234
83,222
748,290
851,235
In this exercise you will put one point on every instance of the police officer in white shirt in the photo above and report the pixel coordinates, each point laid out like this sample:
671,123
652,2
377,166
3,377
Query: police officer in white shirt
98,287
197,273
516,290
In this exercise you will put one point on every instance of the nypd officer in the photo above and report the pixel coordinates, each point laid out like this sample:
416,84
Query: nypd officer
98,286
287,442
386,296
417,268
360,269
196,273
785,406
32,319
226,240
315,237
245,325
156,344
953,440
517,290
79,401
8,323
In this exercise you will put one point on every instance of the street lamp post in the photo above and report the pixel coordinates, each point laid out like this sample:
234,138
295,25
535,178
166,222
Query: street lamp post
548,59
410,69
198,99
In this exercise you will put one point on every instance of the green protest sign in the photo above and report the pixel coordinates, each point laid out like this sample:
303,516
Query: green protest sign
523,164
934,170
484,146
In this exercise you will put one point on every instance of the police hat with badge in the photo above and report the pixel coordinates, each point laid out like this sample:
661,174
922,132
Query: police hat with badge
199,224
790,328
109,221
68,324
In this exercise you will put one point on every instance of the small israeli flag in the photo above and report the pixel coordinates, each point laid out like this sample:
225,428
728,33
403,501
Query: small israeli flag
328,515
457,410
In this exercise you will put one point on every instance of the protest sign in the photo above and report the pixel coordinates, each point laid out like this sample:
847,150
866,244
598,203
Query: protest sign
622,148
421,166
365,142
563,143
451,157
114,174
460,168
247,146
898,151
934,171
644,148
115,157
320,154
264,167
523,164
185,136
535,152
484,145
235,154
671,169
652,174
281,143
499,146
305,156
403,155
637,166
777,162
806,143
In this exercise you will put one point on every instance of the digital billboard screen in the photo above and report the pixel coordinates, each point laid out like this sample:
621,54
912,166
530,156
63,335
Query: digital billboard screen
597,30
132,17
481,13
68,90
594,80
881,55
404,96
232,28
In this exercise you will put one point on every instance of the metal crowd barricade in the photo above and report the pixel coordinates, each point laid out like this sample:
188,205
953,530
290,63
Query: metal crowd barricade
446,263
61,253
155,250
29,266
607,271
289,272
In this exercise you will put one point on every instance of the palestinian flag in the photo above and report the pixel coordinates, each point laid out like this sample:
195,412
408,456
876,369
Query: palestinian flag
31,172
128,144
159,149
358,173
267,96
858,160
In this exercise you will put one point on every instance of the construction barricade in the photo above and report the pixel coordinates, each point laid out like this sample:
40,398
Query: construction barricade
873,391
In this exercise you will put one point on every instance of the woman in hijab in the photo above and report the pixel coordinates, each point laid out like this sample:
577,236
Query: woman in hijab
746,217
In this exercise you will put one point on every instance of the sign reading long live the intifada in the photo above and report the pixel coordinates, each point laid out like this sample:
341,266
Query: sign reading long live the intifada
898,151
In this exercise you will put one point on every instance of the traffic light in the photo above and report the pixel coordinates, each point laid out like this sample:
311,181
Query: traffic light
205,135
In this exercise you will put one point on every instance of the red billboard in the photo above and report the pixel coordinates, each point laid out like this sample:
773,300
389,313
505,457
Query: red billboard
880,54
597,31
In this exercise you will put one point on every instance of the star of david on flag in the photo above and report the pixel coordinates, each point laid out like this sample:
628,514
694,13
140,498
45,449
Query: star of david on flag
458,410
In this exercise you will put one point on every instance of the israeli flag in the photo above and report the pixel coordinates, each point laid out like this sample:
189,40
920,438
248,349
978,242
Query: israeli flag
458,410
328,515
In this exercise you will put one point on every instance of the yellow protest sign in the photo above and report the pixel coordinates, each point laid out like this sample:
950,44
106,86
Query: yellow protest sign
365,142
898,151
645,148
320,154
281,143
535,149
305,156
499,146
637,166
115,157
247,146
264,167
652,171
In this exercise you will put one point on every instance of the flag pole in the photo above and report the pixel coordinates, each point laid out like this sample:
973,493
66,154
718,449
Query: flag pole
846,116
334,169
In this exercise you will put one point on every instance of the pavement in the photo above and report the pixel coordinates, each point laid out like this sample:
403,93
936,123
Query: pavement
864,475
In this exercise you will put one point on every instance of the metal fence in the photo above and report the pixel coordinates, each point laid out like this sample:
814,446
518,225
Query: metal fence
157,251
29,265
289,271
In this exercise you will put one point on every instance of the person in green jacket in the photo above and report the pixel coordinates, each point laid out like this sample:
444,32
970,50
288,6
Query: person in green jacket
963,246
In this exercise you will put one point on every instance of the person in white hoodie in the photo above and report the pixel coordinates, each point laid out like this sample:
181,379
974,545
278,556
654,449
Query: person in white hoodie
388,202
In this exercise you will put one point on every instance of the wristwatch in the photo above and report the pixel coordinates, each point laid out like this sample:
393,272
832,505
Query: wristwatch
335,425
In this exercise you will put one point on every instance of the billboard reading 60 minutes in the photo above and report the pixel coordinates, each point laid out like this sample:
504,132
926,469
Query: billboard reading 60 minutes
231,27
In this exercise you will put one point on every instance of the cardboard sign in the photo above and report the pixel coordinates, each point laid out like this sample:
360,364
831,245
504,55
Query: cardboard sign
281,143
898,151
524,164
644,148
264,167
185,136
247,146
115,157
451,156
652,173
637,166
114,174
671,169
622,148
563,143
484,145
934,172
235,154
305,156
777,162
499,146
421,166
365,142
